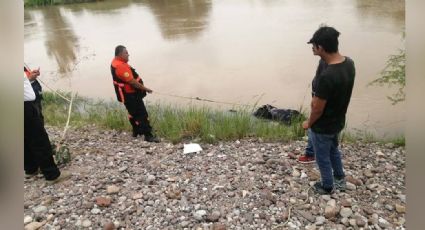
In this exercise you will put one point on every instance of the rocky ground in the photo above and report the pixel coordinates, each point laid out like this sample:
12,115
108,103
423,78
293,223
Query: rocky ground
119,182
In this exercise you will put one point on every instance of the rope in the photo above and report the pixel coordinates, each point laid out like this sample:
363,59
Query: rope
69,116
202,99
290,209
61,141
165,94
160,93
54,91
67,124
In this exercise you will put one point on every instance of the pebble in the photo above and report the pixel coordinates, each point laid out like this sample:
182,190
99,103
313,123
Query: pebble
389,207
330,211
109,226
33,226
346,212
383,223
351,186
184,223
360,221
345,221
199,215
346,203
27,219
40,209
352,222
86,223
400,208
150,179
137,196
112,189
249,184
218,226
95,211
103,201
296,173
214,216
320,220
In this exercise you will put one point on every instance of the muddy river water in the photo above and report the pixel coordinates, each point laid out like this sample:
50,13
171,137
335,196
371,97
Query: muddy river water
237,51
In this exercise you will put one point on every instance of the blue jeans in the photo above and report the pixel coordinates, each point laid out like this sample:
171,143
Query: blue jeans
328,156
309,149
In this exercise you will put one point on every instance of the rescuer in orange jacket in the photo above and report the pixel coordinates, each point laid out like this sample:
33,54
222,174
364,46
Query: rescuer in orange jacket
130,90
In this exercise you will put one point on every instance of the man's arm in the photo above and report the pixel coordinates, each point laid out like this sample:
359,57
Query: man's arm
139,86
317,106
125,74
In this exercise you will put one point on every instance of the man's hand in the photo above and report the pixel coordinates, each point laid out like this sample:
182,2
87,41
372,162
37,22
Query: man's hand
148,90
34,74
305,124
317,107
139,86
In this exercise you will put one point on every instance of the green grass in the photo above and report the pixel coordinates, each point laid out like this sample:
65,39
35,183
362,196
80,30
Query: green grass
178,124
52,2
368,137
175,124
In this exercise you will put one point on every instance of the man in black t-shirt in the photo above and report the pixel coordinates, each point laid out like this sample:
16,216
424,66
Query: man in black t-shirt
309,157
332,90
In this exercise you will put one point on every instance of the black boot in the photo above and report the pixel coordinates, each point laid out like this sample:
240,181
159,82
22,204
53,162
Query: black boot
151,138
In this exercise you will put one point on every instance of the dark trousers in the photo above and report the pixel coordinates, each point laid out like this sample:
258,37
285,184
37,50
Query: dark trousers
138,116
37,147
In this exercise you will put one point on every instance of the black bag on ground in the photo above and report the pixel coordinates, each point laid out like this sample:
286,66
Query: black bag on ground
272,113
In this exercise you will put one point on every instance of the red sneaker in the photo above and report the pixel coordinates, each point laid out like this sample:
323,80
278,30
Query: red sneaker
304,159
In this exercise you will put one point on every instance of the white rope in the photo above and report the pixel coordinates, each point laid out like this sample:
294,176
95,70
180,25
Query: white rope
201,99
67,123
54,91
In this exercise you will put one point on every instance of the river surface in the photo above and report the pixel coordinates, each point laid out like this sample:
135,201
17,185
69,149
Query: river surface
234,51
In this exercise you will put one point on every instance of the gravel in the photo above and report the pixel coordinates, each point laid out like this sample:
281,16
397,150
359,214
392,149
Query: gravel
120,182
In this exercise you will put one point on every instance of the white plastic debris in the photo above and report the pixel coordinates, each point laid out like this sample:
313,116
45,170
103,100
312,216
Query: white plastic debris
191,148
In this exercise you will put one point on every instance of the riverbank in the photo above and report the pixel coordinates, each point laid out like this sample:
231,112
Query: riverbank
175,124
32,3
240,184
